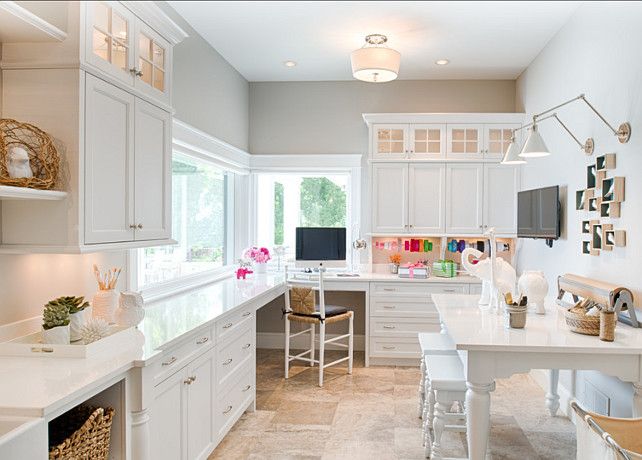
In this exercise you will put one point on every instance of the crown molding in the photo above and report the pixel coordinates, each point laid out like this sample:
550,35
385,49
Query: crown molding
158,20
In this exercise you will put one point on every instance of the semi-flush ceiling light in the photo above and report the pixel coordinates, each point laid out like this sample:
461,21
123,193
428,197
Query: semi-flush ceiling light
375,62
442,62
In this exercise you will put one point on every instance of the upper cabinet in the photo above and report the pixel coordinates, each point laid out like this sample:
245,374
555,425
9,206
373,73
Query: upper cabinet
153,59
479,141
390,141
497,138
408,141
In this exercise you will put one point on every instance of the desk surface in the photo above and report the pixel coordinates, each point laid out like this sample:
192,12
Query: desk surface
472,328
389,277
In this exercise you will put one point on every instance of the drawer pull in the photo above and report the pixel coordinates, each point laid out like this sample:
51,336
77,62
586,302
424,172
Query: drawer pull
389,347
227,410
386,326
190,380
247,387
450,290
202,341
247,313
389,289
170,361
227,361
389,307
227,326
246,346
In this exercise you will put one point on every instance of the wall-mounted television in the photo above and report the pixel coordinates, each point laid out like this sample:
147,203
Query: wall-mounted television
538,213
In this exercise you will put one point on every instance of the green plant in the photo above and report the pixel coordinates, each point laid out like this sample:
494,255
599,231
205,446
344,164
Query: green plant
54,315
73,304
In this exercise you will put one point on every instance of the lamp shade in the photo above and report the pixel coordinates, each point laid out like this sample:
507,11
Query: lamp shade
511,157
375,64
534,145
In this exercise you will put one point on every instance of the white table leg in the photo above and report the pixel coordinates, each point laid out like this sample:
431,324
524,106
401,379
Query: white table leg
552,397
140,435
478,418
637,399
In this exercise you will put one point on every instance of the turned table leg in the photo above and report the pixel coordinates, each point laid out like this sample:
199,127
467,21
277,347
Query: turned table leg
478,418
552,397
140,435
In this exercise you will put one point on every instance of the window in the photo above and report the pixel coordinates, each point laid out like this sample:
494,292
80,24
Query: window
287,201
200,203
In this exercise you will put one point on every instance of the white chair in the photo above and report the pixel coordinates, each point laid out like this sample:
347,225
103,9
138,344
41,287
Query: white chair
301,307
447,382
431,343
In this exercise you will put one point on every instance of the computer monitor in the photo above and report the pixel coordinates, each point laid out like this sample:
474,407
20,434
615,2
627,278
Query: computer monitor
320,245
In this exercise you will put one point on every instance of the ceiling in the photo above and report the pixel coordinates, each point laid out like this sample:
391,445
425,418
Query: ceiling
482,39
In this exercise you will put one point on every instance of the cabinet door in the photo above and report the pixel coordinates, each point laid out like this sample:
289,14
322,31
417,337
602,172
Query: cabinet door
497,137
464,190
153,63
390,141
168,419
108,39
152,172
501,184
465,142
426,193
200,406
109,140
390,197
427,141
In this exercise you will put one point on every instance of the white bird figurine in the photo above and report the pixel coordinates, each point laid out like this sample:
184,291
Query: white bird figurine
18,163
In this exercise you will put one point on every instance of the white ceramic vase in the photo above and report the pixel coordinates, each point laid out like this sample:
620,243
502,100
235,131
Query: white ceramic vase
77,321
260,267
533,285
104,305
56,335
130,311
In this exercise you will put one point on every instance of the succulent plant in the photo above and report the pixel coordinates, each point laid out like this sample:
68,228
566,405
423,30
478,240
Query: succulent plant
55,315
73,304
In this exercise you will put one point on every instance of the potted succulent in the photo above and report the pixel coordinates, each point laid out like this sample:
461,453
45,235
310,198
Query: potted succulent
79,314
395,261
55,323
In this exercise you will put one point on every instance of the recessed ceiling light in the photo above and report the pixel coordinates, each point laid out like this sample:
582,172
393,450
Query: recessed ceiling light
442,62
289,64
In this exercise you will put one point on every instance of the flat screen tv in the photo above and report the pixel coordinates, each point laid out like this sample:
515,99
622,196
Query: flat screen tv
538,213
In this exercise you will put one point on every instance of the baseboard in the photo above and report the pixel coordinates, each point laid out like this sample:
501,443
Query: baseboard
541,378
276,340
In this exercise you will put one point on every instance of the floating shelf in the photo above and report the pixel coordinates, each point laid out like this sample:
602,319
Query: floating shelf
23,193
18,25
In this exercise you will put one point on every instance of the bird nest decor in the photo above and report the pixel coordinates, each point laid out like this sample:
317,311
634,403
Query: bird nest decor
28,157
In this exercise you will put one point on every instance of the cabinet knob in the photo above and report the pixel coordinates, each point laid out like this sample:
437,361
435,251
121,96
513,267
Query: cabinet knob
247,387
132,226
246,346
410,225
136,72
169,362
227,409
139,226
202,341
227,361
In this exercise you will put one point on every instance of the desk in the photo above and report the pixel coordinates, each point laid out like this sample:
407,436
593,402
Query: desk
493,351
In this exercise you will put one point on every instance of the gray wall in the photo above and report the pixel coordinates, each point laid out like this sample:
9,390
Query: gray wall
208,93
325,117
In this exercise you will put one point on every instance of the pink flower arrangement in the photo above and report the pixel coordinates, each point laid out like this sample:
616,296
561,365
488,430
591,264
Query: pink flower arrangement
258,255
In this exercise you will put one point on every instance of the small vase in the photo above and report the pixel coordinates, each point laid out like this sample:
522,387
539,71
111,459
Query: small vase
394,269
56,335
104,305
260,267
77,321
130,311
533,285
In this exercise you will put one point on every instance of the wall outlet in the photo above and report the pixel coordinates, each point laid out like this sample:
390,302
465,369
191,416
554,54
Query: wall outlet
596,400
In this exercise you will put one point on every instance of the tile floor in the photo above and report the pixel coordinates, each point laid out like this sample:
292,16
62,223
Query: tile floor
372,415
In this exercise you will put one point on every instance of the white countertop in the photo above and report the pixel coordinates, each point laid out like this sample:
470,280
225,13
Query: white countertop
473,328
384,277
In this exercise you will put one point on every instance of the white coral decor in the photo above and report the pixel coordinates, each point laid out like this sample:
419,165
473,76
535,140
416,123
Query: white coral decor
94,329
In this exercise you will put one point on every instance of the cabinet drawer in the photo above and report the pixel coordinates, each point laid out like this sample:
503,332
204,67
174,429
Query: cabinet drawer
403,327
419,290
233,356
176,357
231,404
226,326
384,347
401,307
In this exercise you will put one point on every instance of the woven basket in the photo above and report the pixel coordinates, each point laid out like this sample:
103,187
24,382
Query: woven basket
581,323
83,433
43,156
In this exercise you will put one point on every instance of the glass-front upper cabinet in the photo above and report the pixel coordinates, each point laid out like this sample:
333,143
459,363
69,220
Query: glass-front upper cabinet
465,141
497,139
390,141
153,54
427,141
108,39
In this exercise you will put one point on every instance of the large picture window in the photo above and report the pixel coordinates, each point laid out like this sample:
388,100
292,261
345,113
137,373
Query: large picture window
199,223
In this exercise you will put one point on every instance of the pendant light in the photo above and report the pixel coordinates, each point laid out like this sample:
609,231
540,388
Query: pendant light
534,146
511,157
375,62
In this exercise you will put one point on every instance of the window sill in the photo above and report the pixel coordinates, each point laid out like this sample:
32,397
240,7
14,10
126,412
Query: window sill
187,283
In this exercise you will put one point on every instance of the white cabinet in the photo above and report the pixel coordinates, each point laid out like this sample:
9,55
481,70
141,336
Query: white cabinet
427,141
200,407
464,191
168,416
409,141
473,141
127,161
497,137
390,197
390,141
426,190
153,58
501,184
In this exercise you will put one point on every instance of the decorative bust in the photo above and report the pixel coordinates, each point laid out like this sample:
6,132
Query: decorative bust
18,163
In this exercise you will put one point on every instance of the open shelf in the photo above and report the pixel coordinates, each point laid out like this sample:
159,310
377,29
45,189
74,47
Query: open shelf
8,192
18,25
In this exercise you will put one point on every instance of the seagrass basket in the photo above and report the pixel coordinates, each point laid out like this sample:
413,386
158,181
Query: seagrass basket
580,322
43,156
84,433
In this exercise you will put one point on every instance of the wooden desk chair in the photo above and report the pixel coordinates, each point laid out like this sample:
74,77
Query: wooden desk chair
301,307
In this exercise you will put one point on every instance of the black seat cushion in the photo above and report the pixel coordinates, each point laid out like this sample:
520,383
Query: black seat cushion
333,310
